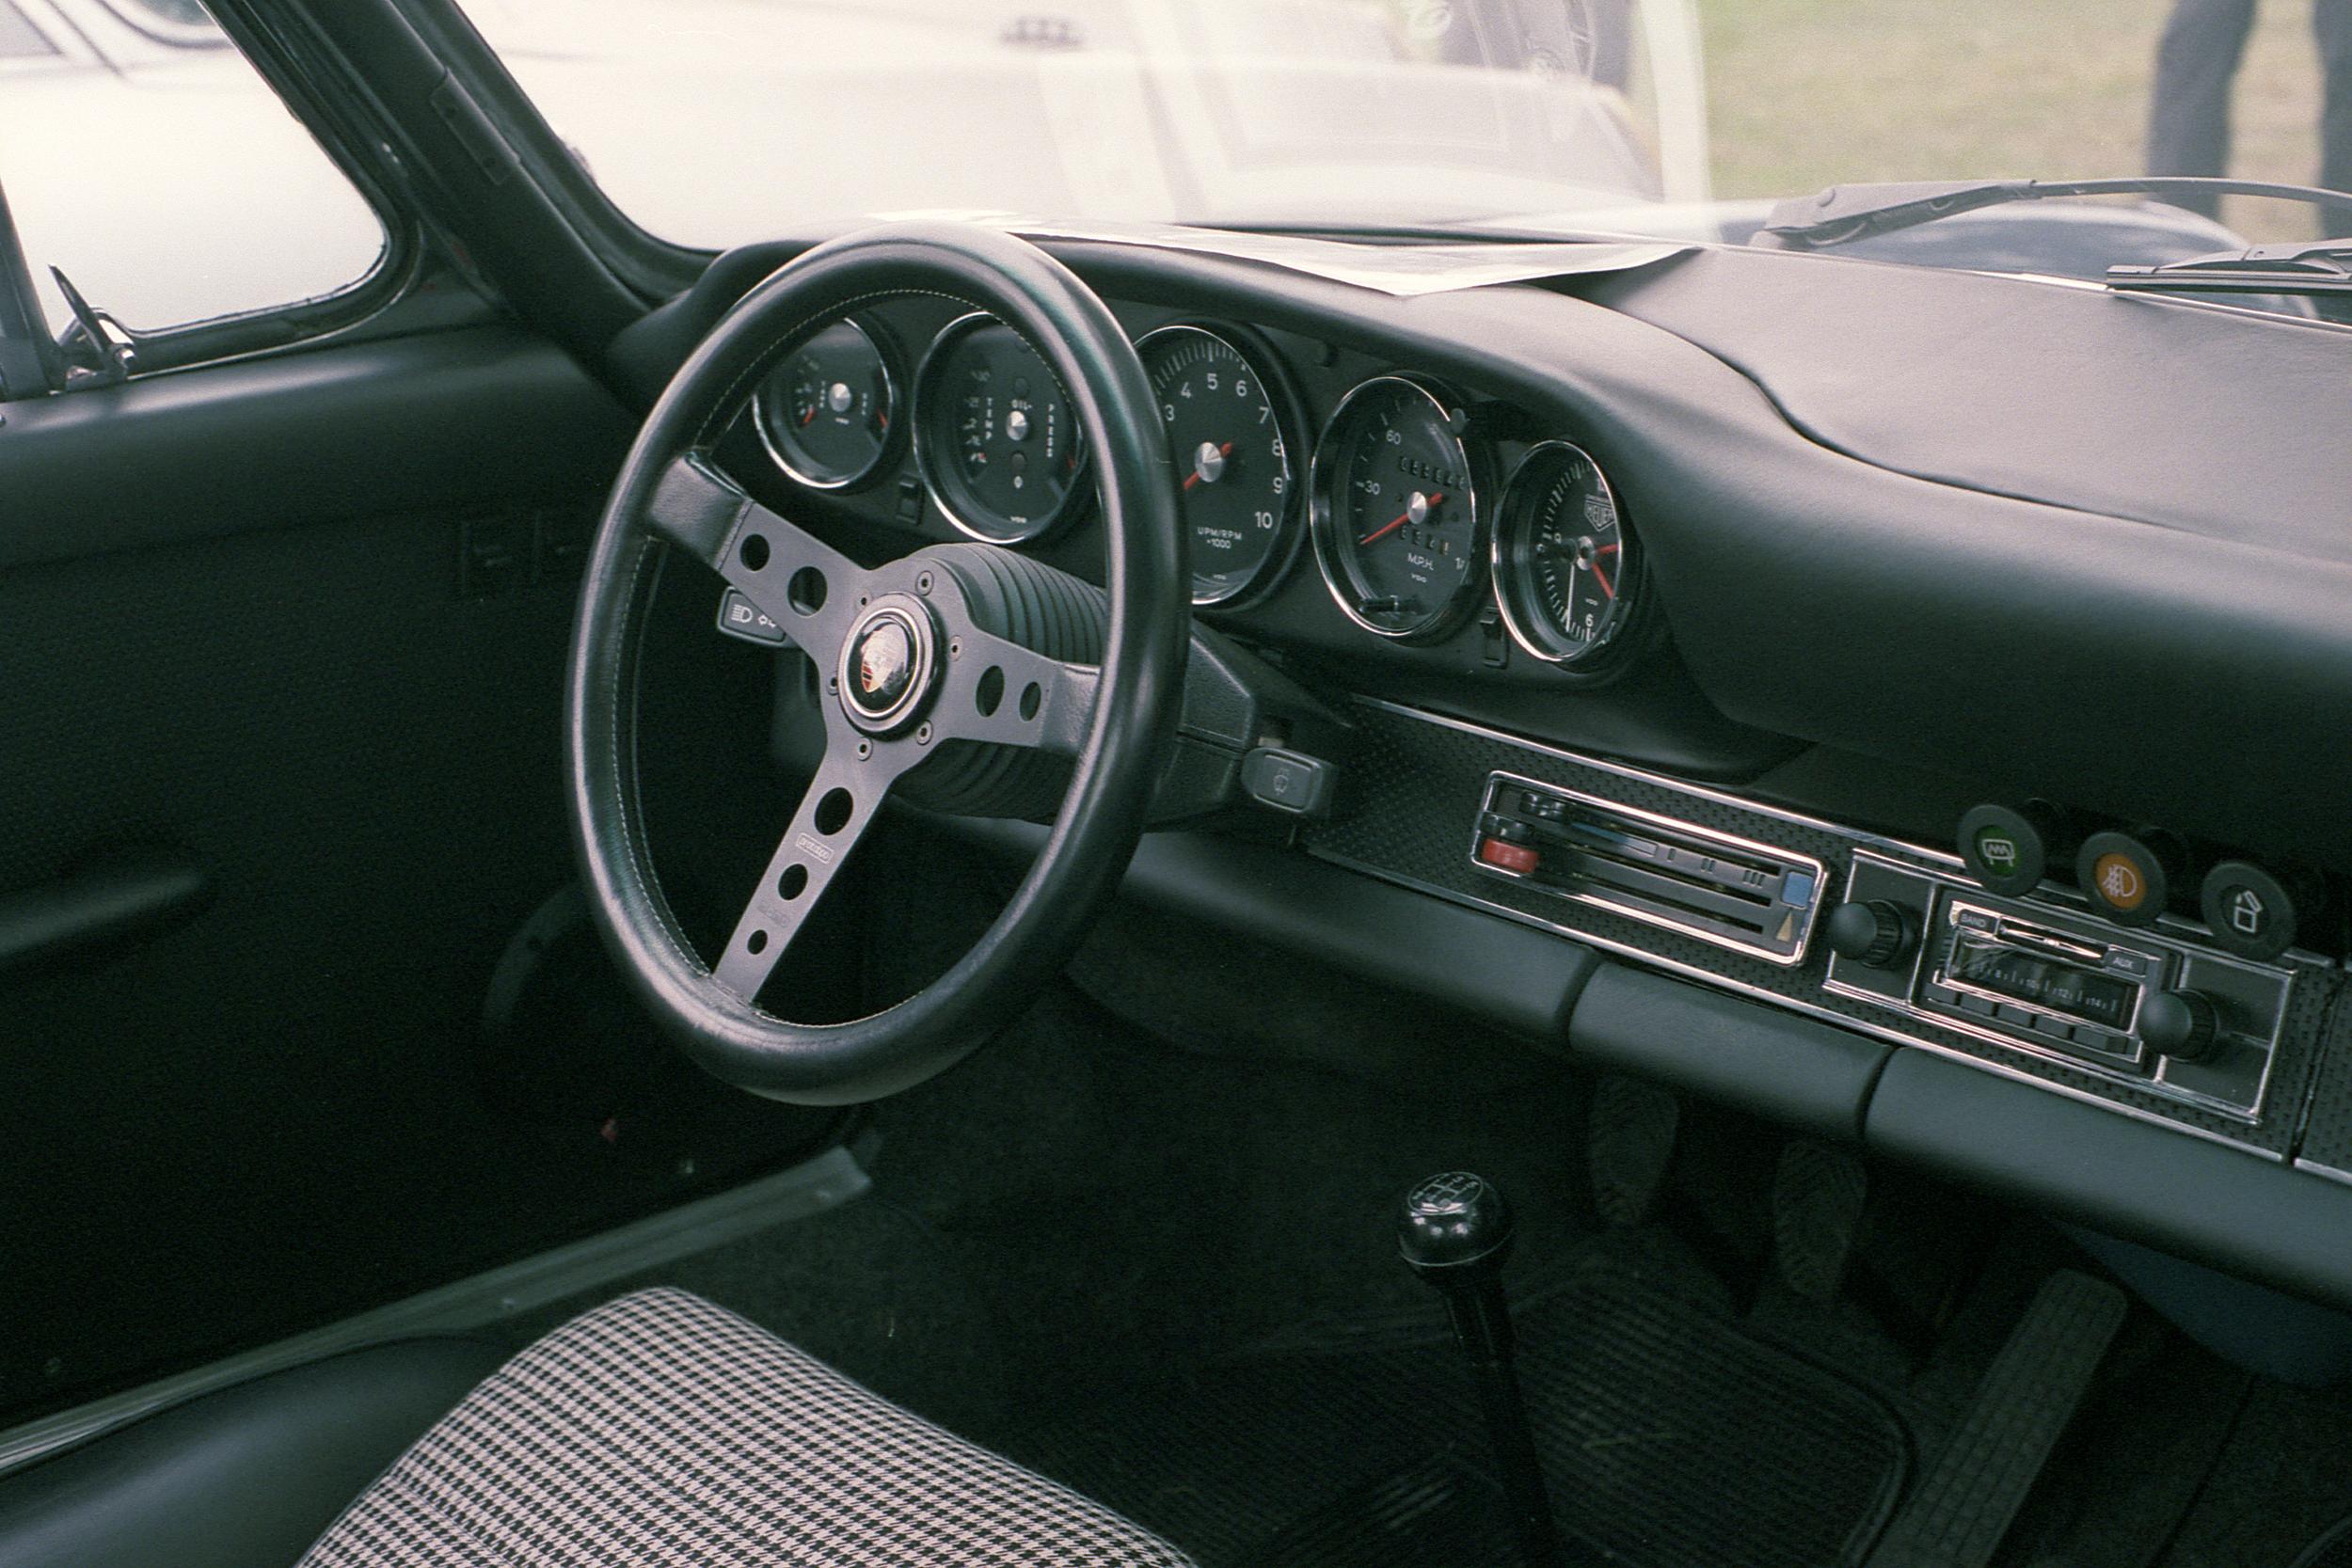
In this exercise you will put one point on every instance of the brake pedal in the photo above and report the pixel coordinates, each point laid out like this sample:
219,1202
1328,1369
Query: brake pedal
1965,1504
1631,1145
1818,1197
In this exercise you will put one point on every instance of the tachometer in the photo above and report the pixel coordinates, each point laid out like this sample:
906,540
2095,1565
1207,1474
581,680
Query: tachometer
1396,519
1228,425
1566,573
995,436
829,412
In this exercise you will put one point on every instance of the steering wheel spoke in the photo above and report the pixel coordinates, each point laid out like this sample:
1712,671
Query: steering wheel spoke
997,690
802,584
833,815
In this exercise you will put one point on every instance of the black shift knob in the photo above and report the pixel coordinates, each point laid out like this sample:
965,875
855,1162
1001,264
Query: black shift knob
1452,1220
1455,1231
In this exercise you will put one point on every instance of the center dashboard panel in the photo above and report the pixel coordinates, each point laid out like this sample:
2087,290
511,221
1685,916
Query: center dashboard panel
1770,904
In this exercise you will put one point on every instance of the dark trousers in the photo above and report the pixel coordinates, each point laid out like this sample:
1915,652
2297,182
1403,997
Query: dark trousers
2188,116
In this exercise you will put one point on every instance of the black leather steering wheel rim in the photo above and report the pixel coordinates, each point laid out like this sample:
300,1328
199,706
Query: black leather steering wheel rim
666,492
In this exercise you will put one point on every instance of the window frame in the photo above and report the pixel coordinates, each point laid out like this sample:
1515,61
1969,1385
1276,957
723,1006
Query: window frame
273,54
655,268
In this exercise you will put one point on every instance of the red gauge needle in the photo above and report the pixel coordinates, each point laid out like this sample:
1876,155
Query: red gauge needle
1194,477
1387,529
808,418
1599,576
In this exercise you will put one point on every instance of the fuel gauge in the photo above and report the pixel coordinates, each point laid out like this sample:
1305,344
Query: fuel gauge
828,413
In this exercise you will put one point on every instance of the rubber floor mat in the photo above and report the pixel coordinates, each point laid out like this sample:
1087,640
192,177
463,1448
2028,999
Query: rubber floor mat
1670,1439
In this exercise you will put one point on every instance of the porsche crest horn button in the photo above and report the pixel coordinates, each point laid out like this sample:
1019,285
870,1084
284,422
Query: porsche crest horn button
887,662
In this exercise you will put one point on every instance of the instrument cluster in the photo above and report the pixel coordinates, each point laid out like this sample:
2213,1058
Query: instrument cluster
1422,518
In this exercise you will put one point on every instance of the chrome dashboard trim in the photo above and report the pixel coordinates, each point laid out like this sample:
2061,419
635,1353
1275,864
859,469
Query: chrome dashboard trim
1900,852
1876,1031
1675,825
2154,1083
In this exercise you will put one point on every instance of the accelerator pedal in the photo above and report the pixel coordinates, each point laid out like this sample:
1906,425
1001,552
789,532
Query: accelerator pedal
1631,1145
1819,1193
1965,1505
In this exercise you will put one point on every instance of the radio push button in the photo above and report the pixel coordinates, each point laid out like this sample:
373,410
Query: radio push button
2125,880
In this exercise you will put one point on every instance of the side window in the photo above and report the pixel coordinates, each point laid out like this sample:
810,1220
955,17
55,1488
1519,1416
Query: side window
142,156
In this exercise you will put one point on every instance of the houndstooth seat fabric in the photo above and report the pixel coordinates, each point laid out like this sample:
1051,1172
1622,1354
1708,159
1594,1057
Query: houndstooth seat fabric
661,1430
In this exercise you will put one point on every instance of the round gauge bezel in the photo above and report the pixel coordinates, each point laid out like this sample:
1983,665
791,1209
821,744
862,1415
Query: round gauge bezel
1476,461
945,493
1606,652
894,380
1290,420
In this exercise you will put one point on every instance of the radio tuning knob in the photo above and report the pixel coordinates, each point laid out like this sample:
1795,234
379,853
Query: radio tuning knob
2179,1024
1873,933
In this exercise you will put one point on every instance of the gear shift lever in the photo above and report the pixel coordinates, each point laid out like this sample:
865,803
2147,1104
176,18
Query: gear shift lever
1455,1230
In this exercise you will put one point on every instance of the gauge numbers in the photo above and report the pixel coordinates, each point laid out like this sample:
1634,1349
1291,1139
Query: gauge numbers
1228,431
1566,572
1396,519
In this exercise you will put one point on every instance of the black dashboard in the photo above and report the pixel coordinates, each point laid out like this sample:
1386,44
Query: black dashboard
1831,636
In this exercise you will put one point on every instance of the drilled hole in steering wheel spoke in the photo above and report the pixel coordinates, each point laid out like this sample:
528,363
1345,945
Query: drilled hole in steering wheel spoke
991,692
833,812
756,942
792,884
806,593
753,551
1032,696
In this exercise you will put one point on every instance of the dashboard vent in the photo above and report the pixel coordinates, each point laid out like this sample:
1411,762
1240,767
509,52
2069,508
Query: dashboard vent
1731,892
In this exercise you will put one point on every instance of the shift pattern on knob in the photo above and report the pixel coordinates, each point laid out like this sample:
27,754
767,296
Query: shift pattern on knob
1450,1219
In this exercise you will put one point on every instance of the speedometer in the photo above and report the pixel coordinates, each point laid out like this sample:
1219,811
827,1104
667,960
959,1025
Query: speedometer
1567,576
997,438
1228,429
1396,520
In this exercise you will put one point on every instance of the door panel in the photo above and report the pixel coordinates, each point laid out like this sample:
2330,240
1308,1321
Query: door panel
338,695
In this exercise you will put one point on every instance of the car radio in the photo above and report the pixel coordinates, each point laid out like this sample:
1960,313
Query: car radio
2087,992
2152,1006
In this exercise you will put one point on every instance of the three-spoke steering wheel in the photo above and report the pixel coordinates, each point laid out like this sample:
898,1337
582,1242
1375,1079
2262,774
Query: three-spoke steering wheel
962,671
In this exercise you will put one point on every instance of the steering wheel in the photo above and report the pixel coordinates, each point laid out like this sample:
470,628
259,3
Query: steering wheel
967,675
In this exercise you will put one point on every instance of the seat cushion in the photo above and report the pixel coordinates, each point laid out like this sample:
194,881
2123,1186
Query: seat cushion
661,1430
245,1477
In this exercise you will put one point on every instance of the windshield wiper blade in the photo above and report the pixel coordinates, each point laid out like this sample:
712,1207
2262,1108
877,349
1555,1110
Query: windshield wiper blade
2300,267
1844,213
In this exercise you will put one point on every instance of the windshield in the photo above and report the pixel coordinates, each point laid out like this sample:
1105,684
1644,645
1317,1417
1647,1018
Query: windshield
713,123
